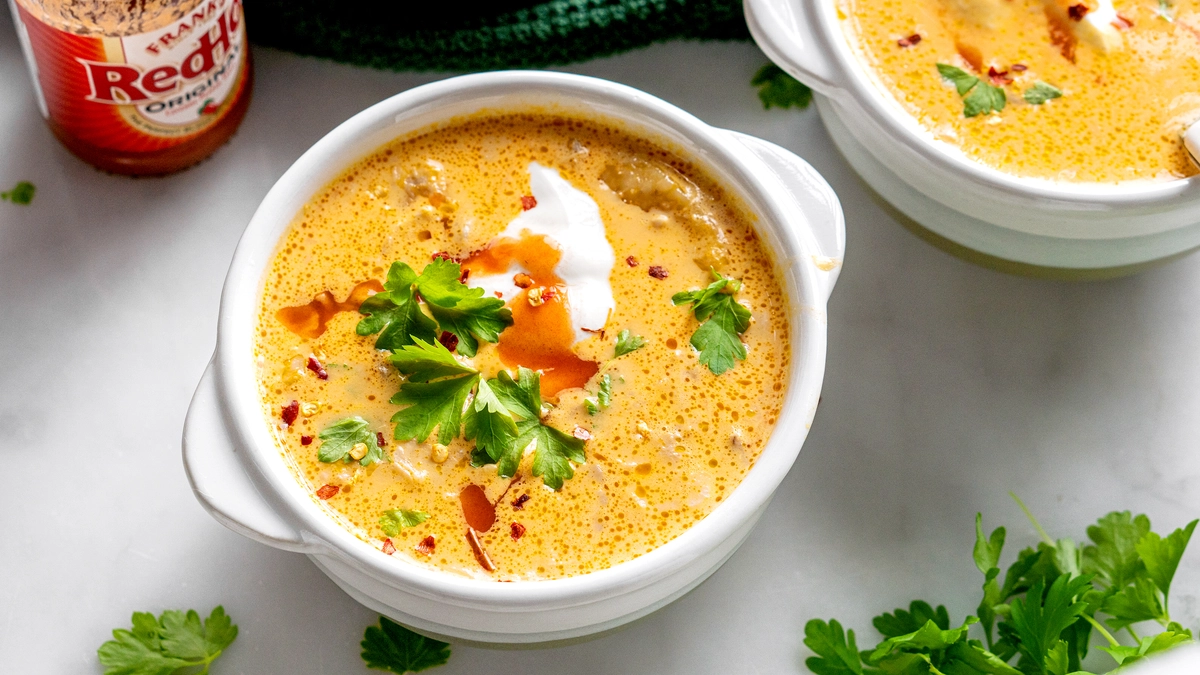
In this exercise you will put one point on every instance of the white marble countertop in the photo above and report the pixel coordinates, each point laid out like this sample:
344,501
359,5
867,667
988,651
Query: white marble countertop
947,386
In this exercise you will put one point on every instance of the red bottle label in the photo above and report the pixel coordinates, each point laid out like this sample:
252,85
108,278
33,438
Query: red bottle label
145,92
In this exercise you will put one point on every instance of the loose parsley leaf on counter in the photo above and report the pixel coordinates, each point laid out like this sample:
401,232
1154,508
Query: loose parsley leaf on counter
458,309
1041,92
394,520
778,89
172,644
338,441
979,97
22,193
723,320
627,342
1048,608
396,649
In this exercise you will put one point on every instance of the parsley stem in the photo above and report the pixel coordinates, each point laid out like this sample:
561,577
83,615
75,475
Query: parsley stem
1112,641
1038,526
1133,634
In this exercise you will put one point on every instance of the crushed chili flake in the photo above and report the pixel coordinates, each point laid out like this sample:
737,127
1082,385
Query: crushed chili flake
462,278
1019,67
315,366
909,41
442,255
658,272
1122,22
290,411
498,294
999,78
306,440
519,503
528,202
449,340
380,439
550,293
631,261
328,491
1078,11
517,531
388,547
581,433
427,545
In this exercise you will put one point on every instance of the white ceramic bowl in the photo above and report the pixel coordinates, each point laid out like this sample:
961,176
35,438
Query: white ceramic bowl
239,476
1034,222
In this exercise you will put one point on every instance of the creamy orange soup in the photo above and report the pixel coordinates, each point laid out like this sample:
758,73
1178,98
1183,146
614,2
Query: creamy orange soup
578,235
1123,80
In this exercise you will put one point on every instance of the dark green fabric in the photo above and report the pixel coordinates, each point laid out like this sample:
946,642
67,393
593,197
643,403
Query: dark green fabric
433,35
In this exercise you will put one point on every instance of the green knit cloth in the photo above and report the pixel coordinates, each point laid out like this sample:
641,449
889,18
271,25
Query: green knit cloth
407,35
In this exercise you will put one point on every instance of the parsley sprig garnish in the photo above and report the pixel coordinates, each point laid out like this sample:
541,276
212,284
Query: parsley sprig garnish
1042,611
979,97
503,416
174,643
1041,92
723,320
394,520
394,648
603,397
338,441
628,342
455,308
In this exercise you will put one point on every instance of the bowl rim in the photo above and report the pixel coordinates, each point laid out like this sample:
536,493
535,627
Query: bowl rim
856,79
234,361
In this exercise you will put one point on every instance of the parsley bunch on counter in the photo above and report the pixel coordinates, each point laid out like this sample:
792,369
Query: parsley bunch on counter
503,417
1042,612
396,649
722,321
173,644
455,308
777,89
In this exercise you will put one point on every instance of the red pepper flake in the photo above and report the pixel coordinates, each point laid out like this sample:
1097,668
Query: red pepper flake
1019,67
380,439
442,255
517,531
315,366
519,503
528,202
388,547
999,78
449,340
427,545
631,261
581,433
462,278
306,440
498,294
549,294
1122,22
290,411
328,491
911,40
658,272
1078,11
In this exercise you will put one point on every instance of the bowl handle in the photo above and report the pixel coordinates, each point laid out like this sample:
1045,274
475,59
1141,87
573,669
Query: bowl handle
784,30
825,236
220,480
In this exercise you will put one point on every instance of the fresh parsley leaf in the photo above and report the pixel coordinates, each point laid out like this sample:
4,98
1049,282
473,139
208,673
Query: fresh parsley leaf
395,313
432,404
979,97
969,654
339,439
1161,556
553,450
1042,615
425,361
461,310
396,649
1113,557
929,637
778,89
627,342
22,193
1133,604
1041,92
603,397
919,613
490,424
174,643
723,320
987,560
1147,646
1165,11
836,651
393,520
457,308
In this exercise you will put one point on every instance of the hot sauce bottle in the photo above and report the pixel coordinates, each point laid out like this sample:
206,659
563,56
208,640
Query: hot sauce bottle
138,86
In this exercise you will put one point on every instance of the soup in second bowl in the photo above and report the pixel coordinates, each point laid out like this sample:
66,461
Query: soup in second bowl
521,346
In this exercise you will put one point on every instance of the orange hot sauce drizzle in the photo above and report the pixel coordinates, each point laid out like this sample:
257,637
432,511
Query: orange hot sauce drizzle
540,337
308,321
